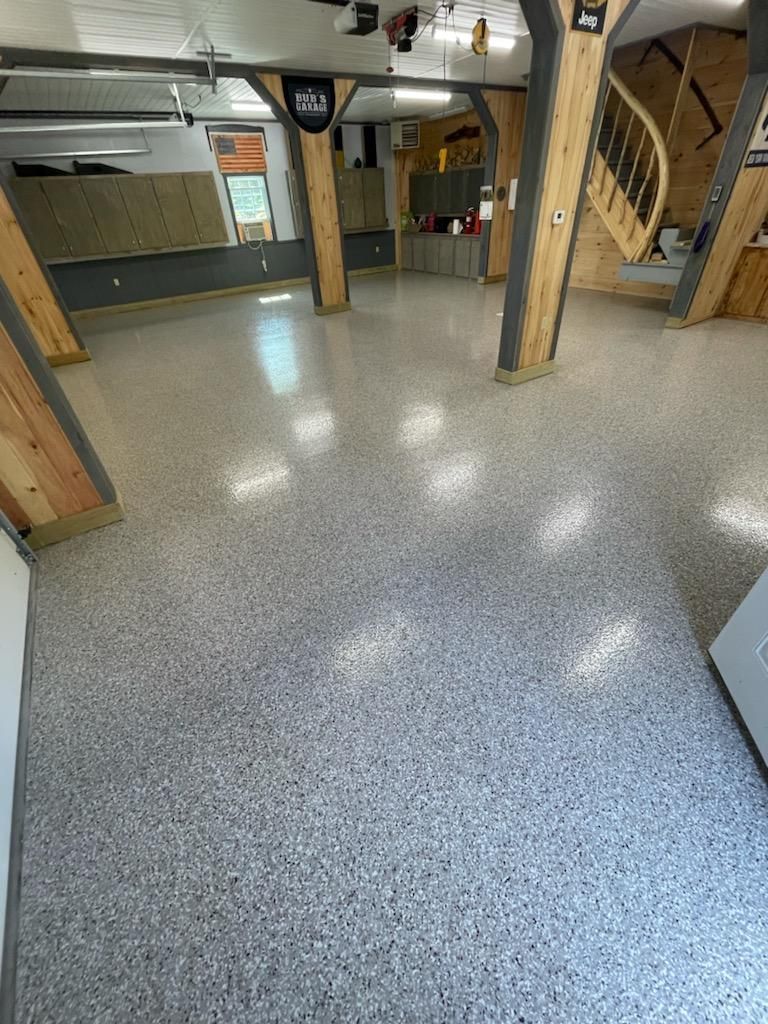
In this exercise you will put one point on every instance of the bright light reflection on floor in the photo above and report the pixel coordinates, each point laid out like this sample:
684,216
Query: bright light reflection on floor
265,480
314,425
744,518
616,638
277,354
454,478
275,298
564,524
373,645
421,424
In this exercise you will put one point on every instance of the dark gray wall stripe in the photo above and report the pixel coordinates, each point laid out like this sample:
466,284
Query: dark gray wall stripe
13,904
728,166
8,192
595,131
547,30
492,155
757,37
43,376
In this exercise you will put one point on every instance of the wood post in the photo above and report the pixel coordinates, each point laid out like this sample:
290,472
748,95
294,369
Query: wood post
508,112
315,164
572,47
738,202
33,289
50,478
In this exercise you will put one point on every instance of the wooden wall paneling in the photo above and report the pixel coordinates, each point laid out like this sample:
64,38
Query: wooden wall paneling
75,219
28,282
175,209
106,203
39,217
206,208
508,111
144,211
747,294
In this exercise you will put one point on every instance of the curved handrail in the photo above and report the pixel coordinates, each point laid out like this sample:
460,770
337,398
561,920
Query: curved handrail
662,161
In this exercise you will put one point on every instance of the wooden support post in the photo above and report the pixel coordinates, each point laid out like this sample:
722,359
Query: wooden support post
738,202
508,112
33,289
315,163
572,47
50,478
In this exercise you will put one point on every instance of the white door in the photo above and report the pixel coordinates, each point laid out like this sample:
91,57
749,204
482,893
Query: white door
741,655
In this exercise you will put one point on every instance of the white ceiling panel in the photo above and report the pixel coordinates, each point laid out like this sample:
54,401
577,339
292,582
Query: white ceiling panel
299,34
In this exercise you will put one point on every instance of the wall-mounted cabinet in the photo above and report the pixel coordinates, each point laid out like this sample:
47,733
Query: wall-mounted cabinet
449,194
363,203
119,214
454,255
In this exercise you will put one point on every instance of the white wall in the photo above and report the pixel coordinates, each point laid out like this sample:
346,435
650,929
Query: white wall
172,149
14,597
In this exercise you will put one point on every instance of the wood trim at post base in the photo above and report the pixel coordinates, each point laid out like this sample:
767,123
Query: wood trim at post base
527,373
491,278
342,307
676,323
64,358
365,271
71,526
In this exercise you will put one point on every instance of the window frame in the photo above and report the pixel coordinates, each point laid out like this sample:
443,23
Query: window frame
226,175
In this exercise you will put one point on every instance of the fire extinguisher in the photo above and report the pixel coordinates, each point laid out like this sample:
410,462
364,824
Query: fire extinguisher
470,221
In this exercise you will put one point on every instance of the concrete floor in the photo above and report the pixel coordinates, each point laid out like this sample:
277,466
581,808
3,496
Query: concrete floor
389,700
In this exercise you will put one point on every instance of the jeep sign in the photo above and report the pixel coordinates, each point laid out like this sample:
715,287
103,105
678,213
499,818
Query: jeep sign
589,16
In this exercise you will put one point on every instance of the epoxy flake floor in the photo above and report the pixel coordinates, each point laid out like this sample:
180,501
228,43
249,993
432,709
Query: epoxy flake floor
389,699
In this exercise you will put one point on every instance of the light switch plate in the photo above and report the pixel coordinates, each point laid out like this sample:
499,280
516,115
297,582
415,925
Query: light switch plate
558,217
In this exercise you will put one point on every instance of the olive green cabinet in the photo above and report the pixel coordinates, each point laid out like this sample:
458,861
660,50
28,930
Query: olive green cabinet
454,255
449,194
77,217
363,202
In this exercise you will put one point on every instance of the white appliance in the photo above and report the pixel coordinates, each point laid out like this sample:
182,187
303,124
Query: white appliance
405,134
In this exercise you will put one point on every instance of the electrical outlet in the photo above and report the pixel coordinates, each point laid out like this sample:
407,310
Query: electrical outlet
378,248
558,217
116,282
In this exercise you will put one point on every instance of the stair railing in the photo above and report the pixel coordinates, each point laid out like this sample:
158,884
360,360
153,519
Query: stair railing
635,145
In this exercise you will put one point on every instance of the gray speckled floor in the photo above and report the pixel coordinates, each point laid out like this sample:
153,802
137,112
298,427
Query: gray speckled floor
388,701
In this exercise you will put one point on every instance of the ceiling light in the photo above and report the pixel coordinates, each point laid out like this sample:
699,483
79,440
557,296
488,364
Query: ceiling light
422,94
465,38
253,108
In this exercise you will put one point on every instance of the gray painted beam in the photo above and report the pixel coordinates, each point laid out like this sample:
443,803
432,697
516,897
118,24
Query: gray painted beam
43,376
492,153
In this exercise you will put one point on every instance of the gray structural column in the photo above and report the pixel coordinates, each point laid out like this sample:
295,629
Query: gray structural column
751,103
564,58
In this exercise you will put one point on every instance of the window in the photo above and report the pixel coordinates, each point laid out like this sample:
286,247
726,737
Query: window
250,206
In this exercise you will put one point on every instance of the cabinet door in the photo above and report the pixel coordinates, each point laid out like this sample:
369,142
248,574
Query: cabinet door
74,216
419,246
143,210
206,207
431,255
174,206
108,209
373,197
445,255
475,181
353,206
39,219
443,193
474,257
406,251
461,257
458,192
422,188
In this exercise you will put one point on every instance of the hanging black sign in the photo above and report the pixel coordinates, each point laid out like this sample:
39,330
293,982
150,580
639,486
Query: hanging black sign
311,102
589,16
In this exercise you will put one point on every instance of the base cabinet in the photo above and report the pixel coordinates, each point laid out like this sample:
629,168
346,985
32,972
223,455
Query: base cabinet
450,255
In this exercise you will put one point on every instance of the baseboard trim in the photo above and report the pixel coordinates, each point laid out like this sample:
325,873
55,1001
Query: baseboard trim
491,278
173,300
527,373
365,271
71,526
65,358
341,307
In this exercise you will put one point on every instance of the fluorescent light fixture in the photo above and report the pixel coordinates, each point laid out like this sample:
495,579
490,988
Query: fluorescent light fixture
275,298
252,108
465,38
430,95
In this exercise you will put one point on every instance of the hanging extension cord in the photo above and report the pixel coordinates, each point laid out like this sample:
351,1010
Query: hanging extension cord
259,248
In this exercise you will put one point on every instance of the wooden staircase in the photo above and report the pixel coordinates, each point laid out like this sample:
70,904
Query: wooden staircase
629,181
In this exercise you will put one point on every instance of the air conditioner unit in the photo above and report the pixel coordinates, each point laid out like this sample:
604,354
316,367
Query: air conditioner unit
405,135
254,231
